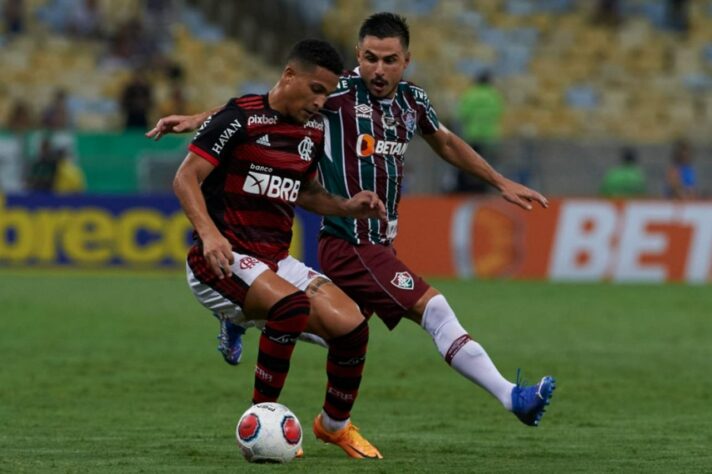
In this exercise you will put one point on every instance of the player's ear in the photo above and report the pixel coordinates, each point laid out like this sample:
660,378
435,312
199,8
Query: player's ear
407,58
289,73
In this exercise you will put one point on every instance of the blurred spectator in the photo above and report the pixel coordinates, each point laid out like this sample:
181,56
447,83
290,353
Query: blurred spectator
677,15
681,177
13,15
626,180
480,113
69,178
176,102
173,71
43,170
86,20
20,119
608,13
160,15
137,100
132,46
56,115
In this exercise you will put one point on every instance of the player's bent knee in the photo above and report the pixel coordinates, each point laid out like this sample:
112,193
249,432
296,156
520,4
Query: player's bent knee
441,323
357,338
292,312
417,312
330,319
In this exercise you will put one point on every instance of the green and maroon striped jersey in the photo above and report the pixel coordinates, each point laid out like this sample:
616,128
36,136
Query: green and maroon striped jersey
365,143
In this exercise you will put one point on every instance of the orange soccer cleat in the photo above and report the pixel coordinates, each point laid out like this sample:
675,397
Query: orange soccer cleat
348,439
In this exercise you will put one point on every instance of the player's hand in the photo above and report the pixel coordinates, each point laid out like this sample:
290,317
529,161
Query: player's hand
174,124
521,195
218,253
366,204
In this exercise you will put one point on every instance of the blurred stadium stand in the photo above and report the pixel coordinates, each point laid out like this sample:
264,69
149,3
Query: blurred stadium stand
577,87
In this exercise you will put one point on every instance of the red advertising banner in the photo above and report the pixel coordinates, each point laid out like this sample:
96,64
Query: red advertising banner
574,239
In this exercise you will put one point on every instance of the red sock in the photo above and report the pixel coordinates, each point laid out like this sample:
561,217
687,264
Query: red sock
285,322
347,355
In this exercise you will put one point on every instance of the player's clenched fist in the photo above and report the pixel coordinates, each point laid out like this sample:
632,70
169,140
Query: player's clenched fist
218,254
366,204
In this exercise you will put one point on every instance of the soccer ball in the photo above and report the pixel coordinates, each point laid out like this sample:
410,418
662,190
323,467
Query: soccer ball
269,432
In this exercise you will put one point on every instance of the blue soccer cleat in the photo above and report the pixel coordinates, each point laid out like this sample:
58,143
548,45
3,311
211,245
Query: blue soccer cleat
529,402
230,341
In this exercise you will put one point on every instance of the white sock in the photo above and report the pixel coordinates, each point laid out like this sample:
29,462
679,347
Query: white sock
331,424
464,355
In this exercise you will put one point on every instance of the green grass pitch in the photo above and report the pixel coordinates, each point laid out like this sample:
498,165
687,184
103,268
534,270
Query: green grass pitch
119,373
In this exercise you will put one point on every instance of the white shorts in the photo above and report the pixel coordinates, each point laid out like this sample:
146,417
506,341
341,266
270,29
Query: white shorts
248,268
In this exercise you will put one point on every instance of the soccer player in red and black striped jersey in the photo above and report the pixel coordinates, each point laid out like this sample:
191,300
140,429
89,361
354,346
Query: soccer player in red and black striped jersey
370,119
247,167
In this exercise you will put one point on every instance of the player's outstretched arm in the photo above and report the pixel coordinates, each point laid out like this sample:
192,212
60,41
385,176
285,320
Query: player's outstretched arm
179,123
186,185
366,204
455,151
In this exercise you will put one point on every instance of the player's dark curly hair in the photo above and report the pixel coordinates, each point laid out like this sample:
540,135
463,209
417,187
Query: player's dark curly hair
316,52
385,25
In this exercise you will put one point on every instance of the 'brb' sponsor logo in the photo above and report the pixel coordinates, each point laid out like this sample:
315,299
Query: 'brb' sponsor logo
263,374
225,136
339,394
261,120
367,145
271,186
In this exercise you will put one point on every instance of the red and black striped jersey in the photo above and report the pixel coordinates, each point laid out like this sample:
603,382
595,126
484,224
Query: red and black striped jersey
261,159
365,149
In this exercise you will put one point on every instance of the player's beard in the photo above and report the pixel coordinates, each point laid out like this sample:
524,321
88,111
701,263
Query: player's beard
380,88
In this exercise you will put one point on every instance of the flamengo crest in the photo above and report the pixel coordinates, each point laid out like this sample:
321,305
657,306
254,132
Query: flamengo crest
305,149
403,280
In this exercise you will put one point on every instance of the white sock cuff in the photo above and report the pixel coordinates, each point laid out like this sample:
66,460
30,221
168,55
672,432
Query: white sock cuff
437,312
331,424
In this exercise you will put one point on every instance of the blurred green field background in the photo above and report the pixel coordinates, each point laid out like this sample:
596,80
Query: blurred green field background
119,373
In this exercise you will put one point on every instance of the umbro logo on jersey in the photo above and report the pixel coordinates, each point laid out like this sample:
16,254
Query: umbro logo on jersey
271,186
363,111
403,280
264,140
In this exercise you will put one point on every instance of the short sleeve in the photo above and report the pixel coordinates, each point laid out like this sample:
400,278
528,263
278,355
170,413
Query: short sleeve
427,118
220,133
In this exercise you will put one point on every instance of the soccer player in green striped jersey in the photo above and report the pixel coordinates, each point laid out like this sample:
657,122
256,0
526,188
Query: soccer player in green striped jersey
371,118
